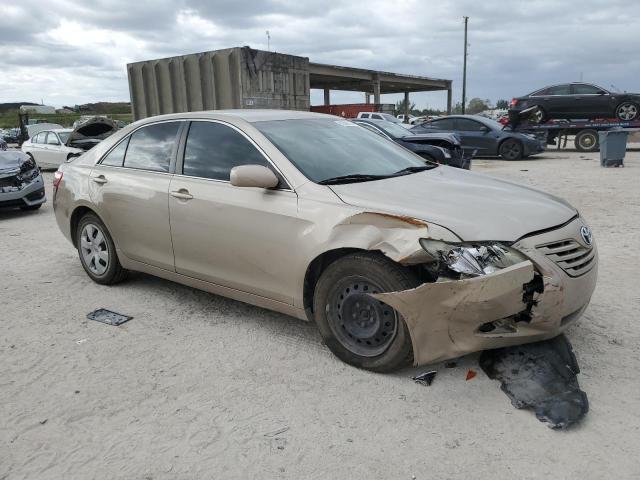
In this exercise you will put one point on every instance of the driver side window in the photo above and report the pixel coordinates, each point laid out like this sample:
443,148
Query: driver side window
213,149
52,139
466,125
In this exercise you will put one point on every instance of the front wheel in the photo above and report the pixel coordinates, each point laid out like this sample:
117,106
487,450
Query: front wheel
98,252
511,149
627,111
359,329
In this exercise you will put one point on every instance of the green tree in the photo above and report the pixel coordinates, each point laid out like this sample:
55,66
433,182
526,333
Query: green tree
477,105
400,107
502,104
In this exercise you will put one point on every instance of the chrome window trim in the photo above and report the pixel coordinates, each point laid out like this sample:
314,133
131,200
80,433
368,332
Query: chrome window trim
246,136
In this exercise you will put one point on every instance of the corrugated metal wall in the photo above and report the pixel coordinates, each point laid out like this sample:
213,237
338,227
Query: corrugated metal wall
221,79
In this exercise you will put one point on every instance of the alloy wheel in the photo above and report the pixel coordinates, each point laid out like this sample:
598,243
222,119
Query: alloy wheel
94,248
627,111
510,150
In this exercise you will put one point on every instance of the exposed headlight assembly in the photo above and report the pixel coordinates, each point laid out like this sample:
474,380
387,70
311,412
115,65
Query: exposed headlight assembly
474,258
445,152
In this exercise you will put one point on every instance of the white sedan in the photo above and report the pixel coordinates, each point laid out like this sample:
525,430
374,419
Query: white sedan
49,147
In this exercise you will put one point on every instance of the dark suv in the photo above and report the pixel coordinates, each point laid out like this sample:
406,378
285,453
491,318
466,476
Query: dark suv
578,100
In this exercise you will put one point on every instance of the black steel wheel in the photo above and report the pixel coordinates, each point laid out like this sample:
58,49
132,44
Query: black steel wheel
358,328
511,149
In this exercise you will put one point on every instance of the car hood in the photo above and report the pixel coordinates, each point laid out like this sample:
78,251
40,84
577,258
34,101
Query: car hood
473,206
13,162
95,129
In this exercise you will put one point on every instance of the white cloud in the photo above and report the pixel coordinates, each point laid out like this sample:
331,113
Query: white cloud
78,53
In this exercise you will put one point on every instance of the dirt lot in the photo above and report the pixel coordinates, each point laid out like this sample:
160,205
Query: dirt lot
198,386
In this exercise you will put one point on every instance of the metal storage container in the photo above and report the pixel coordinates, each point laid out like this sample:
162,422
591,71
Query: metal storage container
220,79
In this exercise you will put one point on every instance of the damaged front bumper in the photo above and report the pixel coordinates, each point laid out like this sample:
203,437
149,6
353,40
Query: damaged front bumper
447,319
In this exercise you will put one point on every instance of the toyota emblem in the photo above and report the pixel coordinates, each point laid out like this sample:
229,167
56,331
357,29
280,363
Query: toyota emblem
587,236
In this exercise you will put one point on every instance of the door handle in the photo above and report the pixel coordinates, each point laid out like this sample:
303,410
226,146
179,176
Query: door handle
182,194
99,179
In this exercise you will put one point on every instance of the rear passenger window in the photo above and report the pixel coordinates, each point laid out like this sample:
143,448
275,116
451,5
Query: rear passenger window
444,124
115,157
150,148
559,90
213,149
377,117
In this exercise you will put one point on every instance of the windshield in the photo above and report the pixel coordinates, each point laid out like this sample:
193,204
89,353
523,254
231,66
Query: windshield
323,149
64,136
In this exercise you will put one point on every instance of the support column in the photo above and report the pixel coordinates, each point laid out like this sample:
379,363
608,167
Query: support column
406,107
367,97
449,97
327,96
376,89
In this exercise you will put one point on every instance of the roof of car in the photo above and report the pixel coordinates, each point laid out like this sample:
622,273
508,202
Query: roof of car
248,115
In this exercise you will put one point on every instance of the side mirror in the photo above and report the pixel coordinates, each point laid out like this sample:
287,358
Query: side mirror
253,176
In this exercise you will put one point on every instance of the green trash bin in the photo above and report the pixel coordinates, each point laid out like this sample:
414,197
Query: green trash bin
613,147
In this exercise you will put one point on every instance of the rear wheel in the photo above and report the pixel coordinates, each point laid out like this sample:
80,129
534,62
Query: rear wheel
627,111
586,141
98,252
539,115
357,328
511,149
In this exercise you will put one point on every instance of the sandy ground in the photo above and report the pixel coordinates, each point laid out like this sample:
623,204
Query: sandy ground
198,386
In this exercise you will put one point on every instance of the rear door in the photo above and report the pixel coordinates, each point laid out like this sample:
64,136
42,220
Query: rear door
130,188
241,238
56,153
37,147
556,100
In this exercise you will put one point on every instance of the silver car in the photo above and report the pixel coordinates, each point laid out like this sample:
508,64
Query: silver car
396,260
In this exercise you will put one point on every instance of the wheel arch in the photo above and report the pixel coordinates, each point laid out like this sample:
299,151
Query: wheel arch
314,271
79,212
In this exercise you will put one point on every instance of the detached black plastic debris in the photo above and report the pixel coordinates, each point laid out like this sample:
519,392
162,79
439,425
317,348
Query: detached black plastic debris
541,376
107,316
425,378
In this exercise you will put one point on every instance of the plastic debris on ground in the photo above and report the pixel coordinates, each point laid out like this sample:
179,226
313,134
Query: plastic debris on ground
425,378
107,316
471,374
540,376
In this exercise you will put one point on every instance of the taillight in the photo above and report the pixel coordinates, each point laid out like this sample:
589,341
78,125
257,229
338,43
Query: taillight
57,178
514,102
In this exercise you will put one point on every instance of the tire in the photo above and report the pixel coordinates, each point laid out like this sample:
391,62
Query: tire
587,141
511,149
30,207
105,271
540,116
627,111
342,291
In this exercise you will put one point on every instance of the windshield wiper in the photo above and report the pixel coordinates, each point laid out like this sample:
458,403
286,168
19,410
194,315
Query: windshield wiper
422,168
353,178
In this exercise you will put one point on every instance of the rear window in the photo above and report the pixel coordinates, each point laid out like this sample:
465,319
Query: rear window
151,147
115,157
444,124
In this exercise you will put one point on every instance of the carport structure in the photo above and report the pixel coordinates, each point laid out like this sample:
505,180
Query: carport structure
372,82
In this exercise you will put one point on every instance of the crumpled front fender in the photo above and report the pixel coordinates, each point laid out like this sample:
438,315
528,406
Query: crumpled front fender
443,317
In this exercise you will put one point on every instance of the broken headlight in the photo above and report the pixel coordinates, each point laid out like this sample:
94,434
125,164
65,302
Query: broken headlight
472,259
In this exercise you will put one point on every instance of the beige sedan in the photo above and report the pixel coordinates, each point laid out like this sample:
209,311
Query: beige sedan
396,260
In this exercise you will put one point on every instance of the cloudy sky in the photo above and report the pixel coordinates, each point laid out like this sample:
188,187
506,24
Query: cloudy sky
71,52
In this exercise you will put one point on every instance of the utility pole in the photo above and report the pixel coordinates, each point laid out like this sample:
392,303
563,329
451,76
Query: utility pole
464,68
268,41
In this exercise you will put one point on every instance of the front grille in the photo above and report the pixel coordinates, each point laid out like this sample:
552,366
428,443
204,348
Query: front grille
8,182
574,258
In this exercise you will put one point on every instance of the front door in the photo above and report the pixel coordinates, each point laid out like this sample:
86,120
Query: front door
591,101
477,136
241,238
130,188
